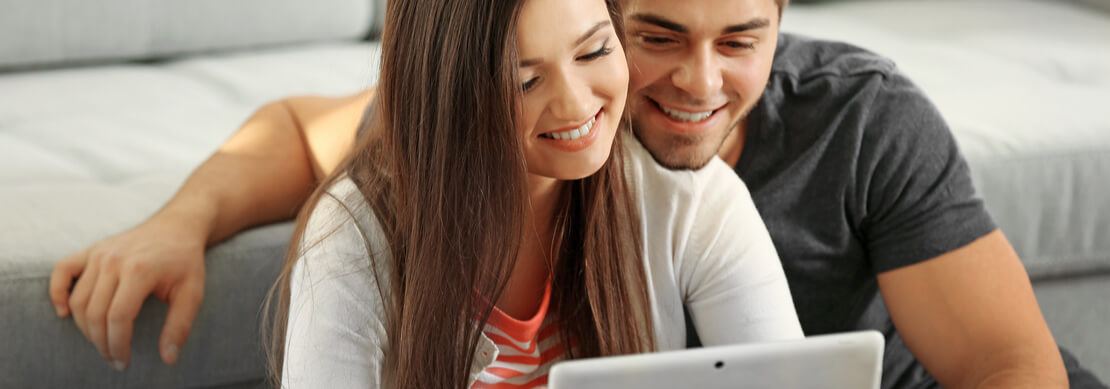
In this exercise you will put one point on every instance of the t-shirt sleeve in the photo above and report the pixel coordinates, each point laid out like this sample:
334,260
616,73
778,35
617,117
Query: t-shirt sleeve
335,336
734,284
914,185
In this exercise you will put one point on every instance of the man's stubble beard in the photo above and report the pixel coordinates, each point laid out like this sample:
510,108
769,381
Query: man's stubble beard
665,154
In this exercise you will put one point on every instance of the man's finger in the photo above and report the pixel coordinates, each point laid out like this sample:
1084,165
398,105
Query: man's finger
61,279
79,299
132,291
184,304
97,312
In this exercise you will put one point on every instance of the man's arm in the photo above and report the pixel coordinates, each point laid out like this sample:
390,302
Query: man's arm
971,318
275,160
262,174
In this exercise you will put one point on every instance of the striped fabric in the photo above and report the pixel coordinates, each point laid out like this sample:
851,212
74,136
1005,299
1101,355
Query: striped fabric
526,349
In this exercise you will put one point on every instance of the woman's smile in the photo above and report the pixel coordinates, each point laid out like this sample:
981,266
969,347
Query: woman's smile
577,138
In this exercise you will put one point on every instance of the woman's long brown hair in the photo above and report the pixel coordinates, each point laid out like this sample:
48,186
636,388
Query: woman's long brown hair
440,162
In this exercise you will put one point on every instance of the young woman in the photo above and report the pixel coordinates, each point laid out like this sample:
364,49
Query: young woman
496,218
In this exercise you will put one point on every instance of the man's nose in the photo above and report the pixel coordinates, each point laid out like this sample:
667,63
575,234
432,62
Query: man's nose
700,74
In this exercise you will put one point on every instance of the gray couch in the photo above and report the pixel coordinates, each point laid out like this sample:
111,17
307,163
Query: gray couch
106,106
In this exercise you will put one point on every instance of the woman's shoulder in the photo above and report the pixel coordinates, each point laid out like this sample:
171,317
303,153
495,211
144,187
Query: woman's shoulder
714,182
342,233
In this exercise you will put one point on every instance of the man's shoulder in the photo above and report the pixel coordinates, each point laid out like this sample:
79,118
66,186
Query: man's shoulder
817,86
803,58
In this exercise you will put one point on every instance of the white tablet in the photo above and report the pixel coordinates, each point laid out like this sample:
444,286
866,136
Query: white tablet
849,360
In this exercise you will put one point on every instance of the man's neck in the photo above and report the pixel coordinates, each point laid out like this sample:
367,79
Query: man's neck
733,146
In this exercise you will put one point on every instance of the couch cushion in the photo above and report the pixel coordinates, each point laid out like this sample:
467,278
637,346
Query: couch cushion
86,153
1027,105
54,32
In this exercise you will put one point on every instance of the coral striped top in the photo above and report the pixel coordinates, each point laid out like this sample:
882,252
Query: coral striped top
525,349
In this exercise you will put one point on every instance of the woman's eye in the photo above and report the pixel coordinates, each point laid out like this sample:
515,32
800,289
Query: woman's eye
528,85
603,51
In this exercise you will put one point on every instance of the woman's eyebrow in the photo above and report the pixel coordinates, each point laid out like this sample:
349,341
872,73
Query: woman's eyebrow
593,30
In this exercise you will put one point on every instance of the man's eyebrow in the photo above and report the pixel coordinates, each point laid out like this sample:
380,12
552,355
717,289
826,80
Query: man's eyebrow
589,33
660,22
753,24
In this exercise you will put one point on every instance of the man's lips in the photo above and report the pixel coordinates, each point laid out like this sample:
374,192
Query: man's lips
686,120
686,113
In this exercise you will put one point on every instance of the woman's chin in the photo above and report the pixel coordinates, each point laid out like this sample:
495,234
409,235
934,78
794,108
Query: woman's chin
571,170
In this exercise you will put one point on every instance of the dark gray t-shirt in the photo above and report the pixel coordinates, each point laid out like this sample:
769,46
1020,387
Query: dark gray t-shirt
855,173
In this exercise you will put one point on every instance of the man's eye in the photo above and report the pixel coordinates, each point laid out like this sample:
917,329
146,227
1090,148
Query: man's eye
656,40
739,45
528,85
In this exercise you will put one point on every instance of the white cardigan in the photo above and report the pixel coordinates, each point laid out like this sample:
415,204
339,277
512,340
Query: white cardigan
704,245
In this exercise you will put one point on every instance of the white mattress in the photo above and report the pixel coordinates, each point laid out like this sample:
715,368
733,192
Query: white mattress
87,152
1025,85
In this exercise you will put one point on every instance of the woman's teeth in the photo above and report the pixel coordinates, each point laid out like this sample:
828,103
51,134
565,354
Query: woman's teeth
572,134
683,116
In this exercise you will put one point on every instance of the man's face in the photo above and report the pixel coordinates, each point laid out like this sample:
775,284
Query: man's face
697,68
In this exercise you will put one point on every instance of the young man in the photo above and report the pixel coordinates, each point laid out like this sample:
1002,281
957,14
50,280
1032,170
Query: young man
854,172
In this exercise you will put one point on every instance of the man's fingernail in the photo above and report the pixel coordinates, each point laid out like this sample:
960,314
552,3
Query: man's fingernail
58,310
171,353
119,366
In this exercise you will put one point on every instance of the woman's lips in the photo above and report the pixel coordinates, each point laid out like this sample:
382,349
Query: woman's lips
576,138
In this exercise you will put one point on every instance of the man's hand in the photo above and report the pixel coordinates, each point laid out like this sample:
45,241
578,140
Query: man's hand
262,174
114,277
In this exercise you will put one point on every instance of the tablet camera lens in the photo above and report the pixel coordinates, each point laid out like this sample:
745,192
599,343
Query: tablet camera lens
719,364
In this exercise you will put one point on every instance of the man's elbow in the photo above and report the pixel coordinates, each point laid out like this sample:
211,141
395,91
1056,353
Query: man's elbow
1024,369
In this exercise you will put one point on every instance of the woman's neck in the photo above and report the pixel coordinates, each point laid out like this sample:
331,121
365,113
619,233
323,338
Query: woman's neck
539,221
537,256
543,198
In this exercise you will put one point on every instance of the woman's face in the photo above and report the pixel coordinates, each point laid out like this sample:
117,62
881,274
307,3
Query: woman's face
575,81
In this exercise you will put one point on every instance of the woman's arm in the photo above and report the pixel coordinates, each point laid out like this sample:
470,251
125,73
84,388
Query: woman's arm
262,174
335,335
734,284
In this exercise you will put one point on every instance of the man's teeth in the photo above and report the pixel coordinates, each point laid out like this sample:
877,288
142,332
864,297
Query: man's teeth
683,116
572,134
